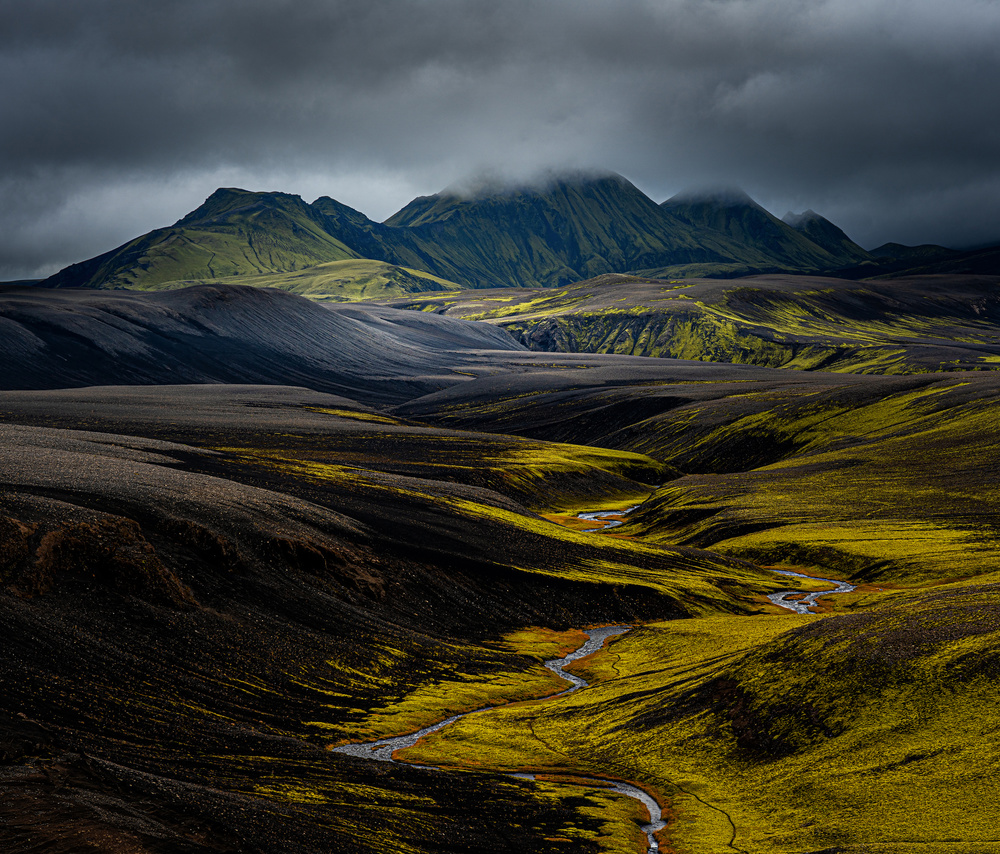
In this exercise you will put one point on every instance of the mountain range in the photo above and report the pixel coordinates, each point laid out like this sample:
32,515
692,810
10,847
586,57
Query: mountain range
572,228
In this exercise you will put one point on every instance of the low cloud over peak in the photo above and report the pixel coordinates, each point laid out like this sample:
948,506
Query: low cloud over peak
117,117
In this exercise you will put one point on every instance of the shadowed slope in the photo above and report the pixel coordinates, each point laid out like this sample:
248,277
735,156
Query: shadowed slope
187,628
735,214
220,333
876,478
827,236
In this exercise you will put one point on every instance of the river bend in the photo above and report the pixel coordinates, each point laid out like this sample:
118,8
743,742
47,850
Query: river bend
383,749
807,602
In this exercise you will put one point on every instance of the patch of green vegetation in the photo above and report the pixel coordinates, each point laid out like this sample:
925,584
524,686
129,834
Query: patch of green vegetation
541,475
433,701
798,323
355,415
235,233
349,280
887,489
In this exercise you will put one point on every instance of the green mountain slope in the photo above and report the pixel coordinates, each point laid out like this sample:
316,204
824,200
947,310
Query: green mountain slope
233,233
768,240
572,229
349,280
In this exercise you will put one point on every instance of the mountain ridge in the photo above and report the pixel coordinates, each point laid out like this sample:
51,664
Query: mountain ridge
571,229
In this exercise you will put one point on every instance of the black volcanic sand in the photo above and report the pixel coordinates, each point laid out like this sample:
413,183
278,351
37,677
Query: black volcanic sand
374,355
221,333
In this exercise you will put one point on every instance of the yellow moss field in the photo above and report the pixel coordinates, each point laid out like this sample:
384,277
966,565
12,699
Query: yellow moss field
439,699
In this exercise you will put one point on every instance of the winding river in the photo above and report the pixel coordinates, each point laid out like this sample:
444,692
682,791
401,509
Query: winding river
383,749
605,518
803,603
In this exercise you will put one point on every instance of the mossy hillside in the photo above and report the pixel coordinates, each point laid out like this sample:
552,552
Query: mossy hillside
356,415
703,338
541,475
349,280
440,694
305,623
722,418
683,580
902,496
234,233
795,322
523,737
732,426
219,711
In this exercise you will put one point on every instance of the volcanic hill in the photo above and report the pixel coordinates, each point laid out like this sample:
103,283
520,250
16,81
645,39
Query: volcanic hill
571,228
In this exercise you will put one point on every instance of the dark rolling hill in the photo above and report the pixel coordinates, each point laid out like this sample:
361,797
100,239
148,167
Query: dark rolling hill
231,334
572,228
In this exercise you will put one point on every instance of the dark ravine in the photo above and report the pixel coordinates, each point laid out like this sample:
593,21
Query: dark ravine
383,749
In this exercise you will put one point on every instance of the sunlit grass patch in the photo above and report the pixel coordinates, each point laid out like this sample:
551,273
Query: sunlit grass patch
355,415
543,644
889,548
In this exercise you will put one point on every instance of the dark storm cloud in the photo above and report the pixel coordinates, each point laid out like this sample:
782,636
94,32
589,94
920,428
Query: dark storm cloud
116,117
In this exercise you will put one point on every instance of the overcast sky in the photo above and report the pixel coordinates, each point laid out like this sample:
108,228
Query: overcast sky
119,116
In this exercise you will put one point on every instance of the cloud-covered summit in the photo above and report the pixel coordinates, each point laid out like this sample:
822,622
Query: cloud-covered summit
118,116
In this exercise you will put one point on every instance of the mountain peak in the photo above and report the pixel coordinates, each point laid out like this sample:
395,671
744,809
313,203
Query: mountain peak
825,234
799,220
722,196
489,185
226,200
568,192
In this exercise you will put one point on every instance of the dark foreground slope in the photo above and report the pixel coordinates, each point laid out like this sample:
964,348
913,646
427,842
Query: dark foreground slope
188,628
